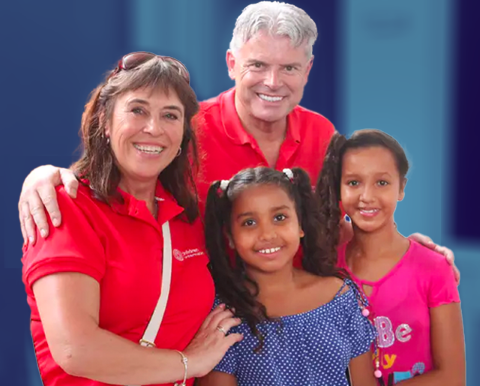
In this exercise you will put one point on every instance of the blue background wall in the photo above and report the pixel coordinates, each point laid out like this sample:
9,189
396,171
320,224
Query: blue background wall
408,68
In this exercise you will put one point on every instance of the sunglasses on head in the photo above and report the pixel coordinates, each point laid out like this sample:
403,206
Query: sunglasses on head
135,59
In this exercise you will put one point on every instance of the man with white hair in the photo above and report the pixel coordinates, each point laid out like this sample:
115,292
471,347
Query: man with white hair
257,123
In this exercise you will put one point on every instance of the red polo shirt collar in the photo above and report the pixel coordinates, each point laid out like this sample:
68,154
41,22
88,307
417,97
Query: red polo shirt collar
236,132
167,205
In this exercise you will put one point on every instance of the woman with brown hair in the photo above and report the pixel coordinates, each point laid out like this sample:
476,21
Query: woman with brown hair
128,263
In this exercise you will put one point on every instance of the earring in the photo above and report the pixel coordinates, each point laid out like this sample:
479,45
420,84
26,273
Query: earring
108,140
179,152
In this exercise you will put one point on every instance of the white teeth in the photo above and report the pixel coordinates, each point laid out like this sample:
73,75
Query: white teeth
149,149
268,251
369,210
269,98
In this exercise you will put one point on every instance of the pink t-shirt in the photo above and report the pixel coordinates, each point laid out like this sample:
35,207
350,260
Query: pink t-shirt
400,304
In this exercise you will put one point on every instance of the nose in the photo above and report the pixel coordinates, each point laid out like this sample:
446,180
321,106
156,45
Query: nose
367,194
154,127
267,232
273,79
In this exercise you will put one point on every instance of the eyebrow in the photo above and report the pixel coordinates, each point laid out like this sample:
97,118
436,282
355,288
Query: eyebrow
357,174
296,64
144,102
275,209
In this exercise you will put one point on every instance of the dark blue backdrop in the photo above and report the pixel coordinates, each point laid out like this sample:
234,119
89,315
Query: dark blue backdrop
53,54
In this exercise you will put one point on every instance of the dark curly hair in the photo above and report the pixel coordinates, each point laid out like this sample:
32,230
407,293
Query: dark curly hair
231,281
328,184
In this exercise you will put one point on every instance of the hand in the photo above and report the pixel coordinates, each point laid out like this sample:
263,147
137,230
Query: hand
447,253
210,343
38,193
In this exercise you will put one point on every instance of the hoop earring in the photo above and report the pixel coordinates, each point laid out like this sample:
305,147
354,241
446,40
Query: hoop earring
179,152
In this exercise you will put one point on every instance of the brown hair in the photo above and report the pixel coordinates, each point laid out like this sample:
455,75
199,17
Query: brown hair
328,184
97,163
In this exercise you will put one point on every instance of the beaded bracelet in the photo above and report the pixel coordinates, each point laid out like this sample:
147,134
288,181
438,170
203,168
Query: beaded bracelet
185,366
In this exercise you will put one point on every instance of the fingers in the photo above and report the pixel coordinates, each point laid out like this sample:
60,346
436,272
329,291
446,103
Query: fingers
424,240
220,318
26,223
226,324
446,252
456,272
48,197
69,181
209,317
231,339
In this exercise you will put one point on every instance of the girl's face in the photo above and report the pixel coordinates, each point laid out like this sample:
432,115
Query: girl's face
370,187
265,230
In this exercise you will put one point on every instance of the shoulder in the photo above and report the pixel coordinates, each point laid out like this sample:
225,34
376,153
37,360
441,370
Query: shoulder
208,109
426,259
311,117
83,200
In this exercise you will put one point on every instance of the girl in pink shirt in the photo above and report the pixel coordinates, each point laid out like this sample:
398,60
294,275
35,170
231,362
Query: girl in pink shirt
413,295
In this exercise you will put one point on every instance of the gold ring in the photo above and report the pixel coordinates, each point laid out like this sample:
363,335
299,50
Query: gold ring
221,329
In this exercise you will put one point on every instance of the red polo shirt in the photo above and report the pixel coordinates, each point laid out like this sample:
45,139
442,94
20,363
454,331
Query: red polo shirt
226,147
121,247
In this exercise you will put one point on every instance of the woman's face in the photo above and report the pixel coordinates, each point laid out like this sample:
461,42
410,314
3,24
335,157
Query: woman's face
145,131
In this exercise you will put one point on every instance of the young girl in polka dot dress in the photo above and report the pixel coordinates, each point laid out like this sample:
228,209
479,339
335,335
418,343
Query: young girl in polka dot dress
300,327
411,289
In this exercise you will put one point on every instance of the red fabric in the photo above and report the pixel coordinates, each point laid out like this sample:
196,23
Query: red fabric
121,247
226,147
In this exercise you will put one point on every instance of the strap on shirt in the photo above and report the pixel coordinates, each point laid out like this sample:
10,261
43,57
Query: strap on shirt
153,326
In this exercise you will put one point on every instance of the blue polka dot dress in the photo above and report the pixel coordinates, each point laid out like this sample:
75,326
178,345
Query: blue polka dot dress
312,348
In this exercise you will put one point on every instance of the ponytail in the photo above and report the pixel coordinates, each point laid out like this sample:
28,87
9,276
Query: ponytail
230,281
328,192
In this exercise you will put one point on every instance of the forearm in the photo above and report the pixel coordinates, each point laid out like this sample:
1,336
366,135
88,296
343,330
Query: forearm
106,357
437,378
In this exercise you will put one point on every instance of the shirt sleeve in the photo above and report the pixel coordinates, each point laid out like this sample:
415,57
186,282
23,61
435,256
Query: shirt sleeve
75,246
228,364
443,287
360,331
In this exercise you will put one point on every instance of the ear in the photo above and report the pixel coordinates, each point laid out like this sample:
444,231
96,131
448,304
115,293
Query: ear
302,233
231,64
231,244
309,67
402,189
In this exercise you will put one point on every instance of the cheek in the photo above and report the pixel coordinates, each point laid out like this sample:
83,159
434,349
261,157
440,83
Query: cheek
175,133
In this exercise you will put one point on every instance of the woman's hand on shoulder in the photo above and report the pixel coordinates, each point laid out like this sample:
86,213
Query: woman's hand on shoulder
446,252
212,341
38,193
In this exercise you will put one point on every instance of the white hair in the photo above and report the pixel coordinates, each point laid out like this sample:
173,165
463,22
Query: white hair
278,19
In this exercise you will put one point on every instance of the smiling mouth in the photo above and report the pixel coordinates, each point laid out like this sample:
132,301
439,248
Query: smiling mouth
369,212
269,251
148,149
270,98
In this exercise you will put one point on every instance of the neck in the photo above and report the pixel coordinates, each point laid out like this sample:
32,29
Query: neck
373,245
141,190
262,131
273,282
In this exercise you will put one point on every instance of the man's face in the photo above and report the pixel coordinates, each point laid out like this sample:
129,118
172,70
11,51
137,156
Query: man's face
270,75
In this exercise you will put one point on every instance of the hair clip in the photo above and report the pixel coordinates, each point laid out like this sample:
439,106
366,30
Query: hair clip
224,185
288,173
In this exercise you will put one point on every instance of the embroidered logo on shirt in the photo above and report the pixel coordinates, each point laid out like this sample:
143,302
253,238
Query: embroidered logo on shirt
181,256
